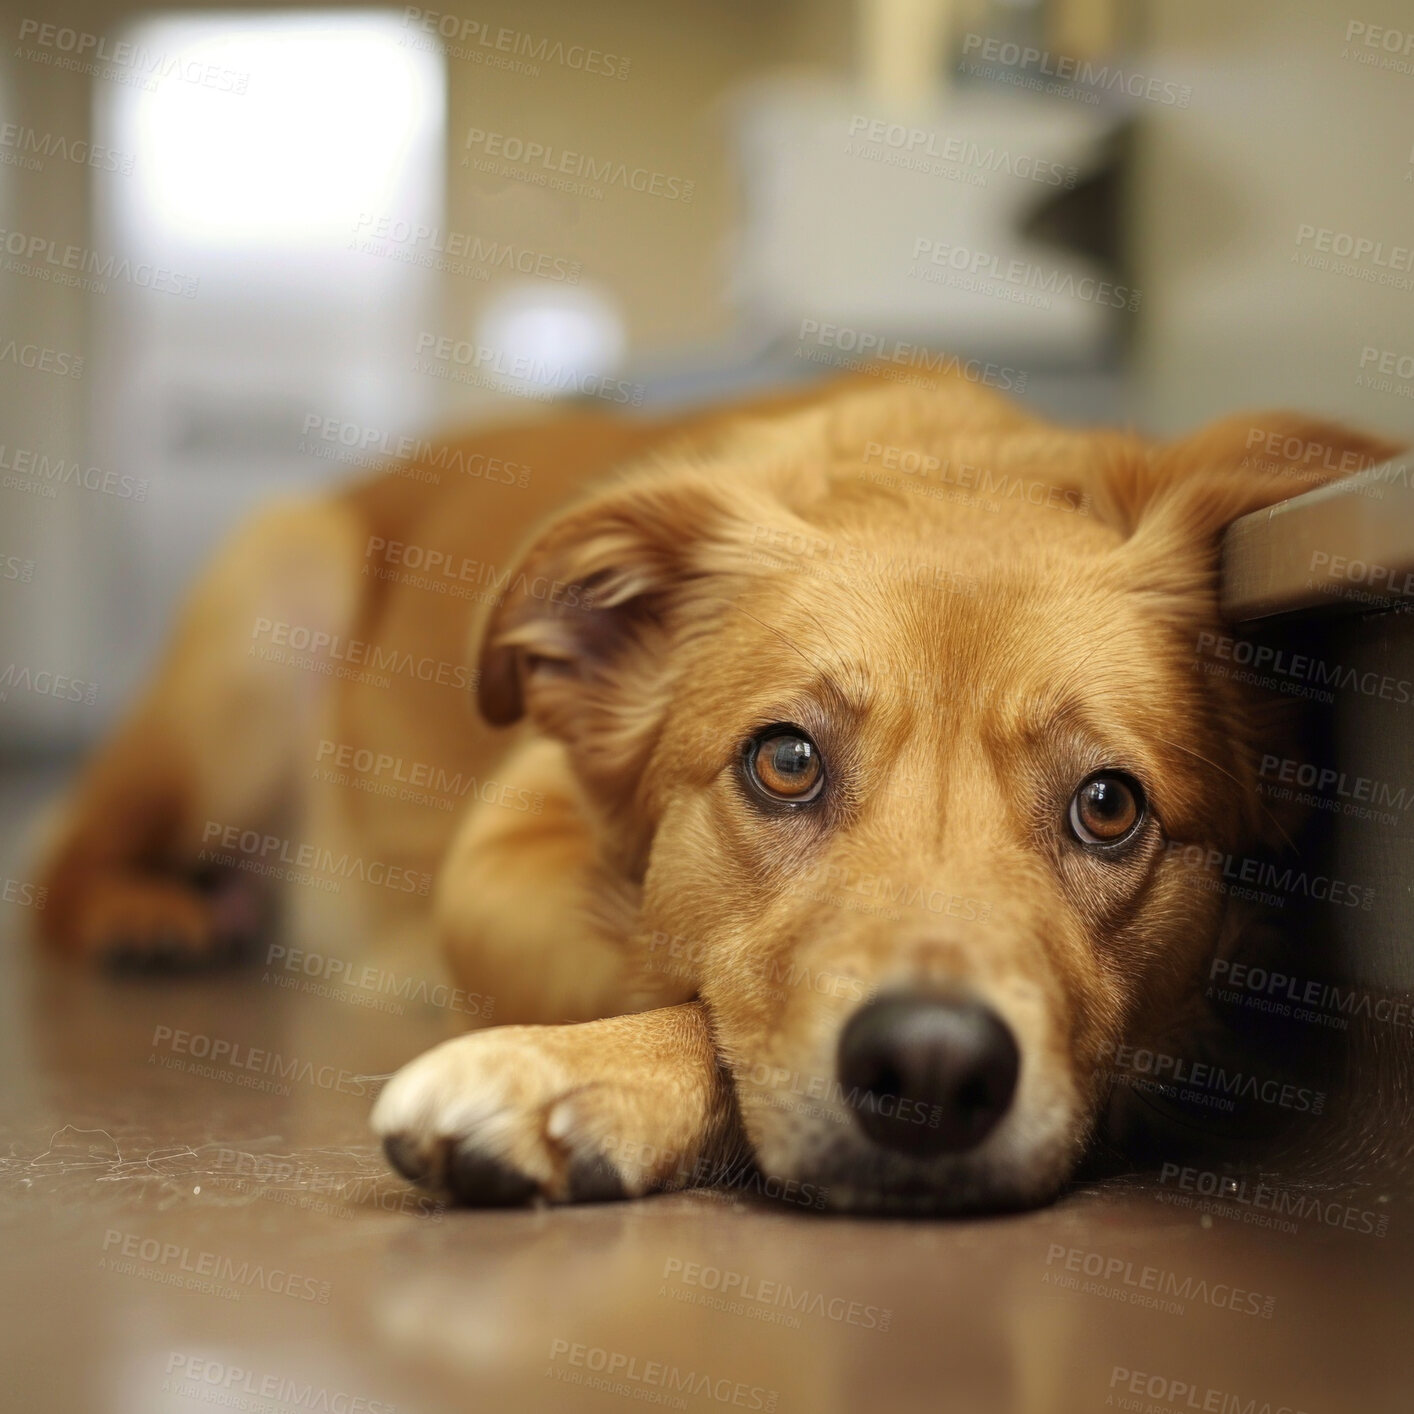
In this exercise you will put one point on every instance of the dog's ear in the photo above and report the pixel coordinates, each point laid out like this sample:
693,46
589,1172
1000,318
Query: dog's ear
581,640
1175,502
589,589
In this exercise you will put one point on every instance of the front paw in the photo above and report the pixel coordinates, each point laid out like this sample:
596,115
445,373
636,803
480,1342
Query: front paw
497,1118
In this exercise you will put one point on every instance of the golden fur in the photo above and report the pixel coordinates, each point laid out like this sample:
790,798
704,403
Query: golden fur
969,610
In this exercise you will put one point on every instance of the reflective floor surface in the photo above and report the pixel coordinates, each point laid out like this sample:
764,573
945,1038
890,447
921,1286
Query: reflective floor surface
181,1231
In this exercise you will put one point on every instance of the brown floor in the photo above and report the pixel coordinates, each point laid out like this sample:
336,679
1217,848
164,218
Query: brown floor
172,1239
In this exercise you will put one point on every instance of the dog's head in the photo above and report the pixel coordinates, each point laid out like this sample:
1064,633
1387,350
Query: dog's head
894,719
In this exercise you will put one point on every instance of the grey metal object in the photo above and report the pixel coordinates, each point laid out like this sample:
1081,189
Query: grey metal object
1348,545
1329,575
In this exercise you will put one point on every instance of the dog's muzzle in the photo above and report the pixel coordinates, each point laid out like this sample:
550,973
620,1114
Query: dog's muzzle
928,1075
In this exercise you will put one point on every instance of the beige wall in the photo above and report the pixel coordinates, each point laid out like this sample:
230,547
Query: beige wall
1284,130
664,261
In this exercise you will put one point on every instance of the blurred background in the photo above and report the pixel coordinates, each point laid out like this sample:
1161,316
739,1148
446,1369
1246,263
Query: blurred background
249,250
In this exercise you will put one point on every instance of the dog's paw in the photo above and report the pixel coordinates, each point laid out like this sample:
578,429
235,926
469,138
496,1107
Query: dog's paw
505,1117
153,924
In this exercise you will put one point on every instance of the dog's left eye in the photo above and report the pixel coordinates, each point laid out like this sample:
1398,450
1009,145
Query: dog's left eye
1108,809
784,764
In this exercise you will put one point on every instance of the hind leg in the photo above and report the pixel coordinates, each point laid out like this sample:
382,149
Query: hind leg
212,746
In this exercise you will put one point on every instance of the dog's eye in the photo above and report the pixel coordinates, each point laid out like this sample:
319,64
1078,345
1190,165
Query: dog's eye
785,764
1107,809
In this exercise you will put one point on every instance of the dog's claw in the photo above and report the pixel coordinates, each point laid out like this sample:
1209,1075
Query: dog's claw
596,1180
485,1182
403,1155
496,1119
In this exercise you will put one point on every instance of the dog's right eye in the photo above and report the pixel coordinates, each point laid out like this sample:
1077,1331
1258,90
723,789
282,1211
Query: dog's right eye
784,764
1107,810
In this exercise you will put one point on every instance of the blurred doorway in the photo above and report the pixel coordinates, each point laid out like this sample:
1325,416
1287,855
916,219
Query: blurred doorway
266,148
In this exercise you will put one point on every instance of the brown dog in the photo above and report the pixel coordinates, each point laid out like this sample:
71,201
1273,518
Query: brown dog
860,730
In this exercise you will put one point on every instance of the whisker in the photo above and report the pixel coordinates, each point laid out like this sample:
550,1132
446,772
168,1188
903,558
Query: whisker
773,629
1291,844
824,632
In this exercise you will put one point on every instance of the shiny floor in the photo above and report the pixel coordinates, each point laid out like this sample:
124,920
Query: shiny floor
174,1240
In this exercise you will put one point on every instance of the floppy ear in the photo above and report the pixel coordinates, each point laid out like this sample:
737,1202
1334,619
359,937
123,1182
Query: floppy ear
1175,503
591,589
1176,500
583,640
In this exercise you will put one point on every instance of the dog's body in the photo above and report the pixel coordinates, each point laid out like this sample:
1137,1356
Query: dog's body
966,615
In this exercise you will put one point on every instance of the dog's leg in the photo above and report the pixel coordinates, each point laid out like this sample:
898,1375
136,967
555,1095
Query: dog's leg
525,917
605,1109
210,748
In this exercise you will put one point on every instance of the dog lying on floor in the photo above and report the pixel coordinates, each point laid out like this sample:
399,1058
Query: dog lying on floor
865,729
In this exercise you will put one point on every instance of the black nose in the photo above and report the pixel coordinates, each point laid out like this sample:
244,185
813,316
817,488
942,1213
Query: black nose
927,1075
